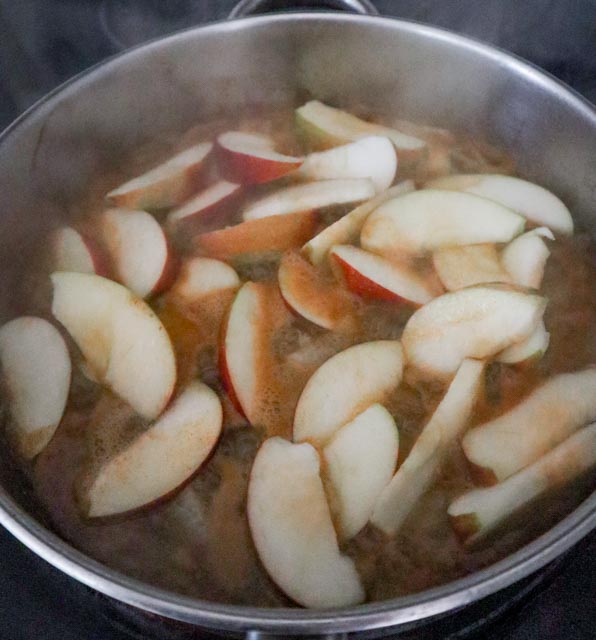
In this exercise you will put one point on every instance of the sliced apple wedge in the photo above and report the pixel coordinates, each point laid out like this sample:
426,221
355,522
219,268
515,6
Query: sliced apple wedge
371,276
213,200
477,322
529,350
312,195
123,342
372,157
200,277
347,229
526,198
427,220
464,266
475,514
140,251
360,460
167,185
264,234
162,458
72,251
551,413
292,529
250,158
36,376
344,386
525,257
420,468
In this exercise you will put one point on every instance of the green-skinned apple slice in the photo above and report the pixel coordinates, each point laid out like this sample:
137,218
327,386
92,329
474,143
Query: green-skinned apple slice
529,350
467,265
551,413
524,258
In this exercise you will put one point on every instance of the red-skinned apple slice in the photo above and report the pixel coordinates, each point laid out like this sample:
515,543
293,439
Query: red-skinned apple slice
525,257
551,413
344,386
206,204
139,249
292,529
476,322
424,221
535,203
124,344
312,195
360,460
162,458
75,252
372,157
167,185
475,514
372,276
467,265
529,350
36,375
420,468
250,158
200,277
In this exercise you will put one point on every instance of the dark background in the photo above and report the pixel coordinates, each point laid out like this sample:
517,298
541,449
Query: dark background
44,42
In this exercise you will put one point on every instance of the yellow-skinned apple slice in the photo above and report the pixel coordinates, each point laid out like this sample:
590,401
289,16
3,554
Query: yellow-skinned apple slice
360,460
529,350
551,413
200,277
206,204
344,386
142,257
162,458
167,185
372,157
292,530
250,158
467,265
427,220
123,342
372,276
420,468
476,322
311,195
347,229
524,258
476,513
36,375
75,252
532,201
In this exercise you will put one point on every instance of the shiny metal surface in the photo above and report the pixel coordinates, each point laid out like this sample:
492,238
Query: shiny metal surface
51,155
250,7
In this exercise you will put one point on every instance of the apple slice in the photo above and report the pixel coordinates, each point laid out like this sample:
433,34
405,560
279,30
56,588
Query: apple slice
420,468
467,265
477,322
525,257
167,185
36,375
255,236
200,277
250,158
326,126
372,157
140,251
551,413
122,340
371,276
360,460
347,229
162,458
476,513
529,350
72,251
424,221
205,204
312,195
344,386
530,200
292,529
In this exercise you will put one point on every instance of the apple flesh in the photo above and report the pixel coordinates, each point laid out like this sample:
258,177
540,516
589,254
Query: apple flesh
344,386
200,277
464,266
424,221
292,529
525,257
162,458
551,413
123,342
205,204
529,350
359,462
424,461
72,251
36,374
476,322
476,513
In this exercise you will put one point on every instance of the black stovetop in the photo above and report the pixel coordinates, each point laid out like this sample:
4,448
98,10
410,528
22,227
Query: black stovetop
44,42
